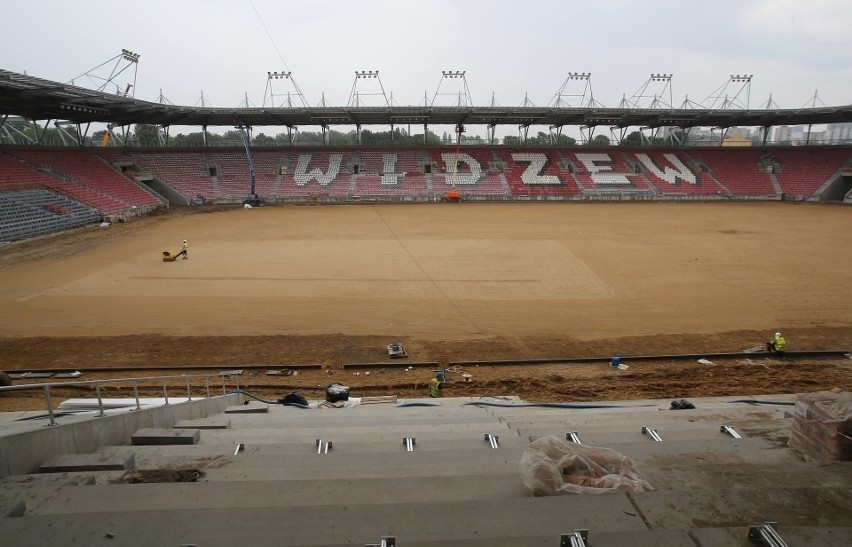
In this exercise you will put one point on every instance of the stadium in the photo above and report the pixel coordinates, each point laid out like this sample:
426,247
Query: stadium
579,296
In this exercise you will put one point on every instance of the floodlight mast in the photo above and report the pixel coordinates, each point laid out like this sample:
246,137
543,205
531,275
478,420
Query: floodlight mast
355,95
123,61
585,80
464,98
719,99
269,95
655,93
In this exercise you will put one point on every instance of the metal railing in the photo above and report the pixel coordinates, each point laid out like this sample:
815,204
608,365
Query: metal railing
159,380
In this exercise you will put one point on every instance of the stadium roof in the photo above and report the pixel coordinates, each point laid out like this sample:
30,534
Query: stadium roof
39,99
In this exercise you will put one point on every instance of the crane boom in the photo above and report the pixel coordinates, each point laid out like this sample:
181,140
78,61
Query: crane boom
247,144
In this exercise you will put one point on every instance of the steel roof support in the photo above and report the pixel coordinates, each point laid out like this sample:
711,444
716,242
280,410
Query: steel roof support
39,137
3,120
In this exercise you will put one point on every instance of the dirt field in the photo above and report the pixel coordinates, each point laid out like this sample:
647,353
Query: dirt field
336,284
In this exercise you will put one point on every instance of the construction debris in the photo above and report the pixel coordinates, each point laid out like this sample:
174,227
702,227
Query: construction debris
396,351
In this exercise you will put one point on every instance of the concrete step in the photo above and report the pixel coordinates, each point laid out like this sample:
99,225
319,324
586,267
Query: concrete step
88,462
745,450
233,469
367,431
272,457
295,493
632,433
248,522
433,439
613,409
358,444
708,475
597,538
310,419
792,535
728,413
162,436
735,507
218,422
250,408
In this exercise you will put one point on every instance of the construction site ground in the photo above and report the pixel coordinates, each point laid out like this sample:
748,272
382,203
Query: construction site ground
332,285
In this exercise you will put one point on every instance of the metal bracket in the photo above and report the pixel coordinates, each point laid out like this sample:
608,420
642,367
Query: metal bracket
323,447
492,439
409,443
387,541
765,533
730,431
240,448
573,436
577,538
652,433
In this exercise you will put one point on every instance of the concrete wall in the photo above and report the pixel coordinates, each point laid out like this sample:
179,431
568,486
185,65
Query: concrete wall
24,452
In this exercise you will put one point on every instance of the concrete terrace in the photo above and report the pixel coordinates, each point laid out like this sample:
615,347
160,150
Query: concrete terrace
452,489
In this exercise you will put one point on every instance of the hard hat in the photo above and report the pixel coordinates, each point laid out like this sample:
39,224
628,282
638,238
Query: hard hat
184,241
777,335
440,374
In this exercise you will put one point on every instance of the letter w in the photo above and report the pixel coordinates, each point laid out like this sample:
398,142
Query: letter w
668,174
302,176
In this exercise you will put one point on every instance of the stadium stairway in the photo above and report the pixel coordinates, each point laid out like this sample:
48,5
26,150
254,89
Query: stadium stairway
453,489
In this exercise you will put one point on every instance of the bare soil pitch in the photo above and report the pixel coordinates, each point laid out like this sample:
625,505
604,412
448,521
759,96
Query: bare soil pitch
336,284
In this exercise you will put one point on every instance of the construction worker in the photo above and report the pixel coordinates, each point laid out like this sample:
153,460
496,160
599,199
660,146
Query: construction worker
436,385
183,250
778,344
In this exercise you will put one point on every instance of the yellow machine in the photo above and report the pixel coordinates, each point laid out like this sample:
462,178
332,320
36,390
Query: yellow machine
168,256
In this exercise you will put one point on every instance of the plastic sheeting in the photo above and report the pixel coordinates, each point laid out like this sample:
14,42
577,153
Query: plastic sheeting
552,466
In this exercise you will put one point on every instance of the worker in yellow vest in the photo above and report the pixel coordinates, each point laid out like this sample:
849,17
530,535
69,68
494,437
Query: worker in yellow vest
778,344
436,385
183,250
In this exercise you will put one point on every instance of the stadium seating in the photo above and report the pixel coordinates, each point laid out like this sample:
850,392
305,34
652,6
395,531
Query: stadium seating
184,170
537,173
399,174
473,175
802,172
19,170
604,169
392,174
31,212
671,173
737,169
317,174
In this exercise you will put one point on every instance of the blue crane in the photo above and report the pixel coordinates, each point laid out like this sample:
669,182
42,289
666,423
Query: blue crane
253,197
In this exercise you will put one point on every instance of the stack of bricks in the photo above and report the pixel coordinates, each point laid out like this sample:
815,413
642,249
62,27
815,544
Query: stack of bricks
822,426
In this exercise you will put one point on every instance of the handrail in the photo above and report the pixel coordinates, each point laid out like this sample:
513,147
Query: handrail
134,381
107,380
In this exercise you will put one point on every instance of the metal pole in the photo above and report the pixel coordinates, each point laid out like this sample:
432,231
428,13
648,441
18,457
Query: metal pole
224,389
100,401
136,394
165,392
207,385
188,393
49,405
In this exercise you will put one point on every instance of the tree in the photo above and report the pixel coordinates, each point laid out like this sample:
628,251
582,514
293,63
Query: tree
146,134
633,139
188,141
511,140
263,140
600,140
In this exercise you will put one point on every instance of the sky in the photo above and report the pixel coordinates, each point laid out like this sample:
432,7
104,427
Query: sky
509,50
